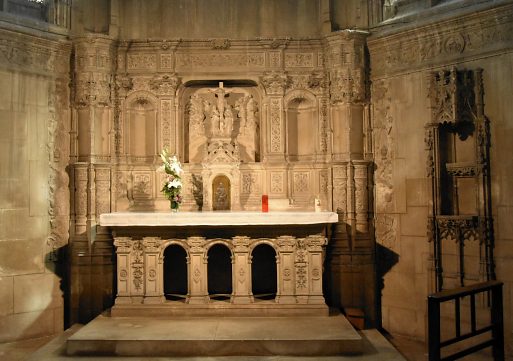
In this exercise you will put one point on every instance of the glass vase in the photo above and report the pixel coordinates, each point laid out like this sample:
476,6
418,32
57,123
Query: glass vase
174,206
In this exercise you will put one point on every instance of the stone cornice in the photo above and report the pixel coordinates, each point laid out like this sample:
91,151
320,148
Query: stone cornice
444,42
34,54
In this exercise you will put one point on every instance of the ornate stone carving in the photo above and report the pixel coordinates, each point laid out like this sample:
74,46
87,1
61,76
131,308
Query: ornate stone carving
102,180
249,183
299,60
301,182
340,187
58,151
466,35
274,83
274,43
166,61
142,62
137,256
220,60
93,89
168,129
276,133
323,119
165,84
277,182
384,145
220,44
347,85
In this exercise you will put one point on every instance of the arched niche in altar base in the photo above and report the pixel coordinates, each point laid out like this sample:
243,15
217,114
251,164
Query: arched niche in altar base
142,266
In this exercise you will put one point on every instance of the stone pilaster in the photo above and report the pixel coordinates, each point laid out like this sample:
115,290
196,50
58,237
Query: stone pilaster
154,275
242,274
315,246
275,84
287,285
123,249
198,291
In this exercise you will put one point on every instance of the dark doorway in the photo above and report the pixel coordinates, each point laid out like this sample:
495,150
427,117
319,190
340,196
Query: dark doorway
219,272
263,272
175,273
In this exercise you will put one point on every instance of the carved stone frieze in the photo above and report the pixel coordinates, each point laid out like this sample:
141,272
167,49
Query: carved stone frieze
141,62
317,82
468,35
39,56
299,60
220,60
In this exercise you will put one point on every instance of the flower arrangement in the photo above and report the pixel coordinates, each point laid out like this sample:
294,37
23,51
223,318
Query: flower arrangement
173,183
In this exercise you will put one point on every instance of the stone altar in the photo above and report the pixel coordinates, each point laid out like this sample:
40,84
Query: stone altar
296,249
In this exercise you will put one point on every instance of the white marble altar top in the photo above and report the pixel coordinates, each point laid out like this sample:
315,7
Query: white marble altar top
217,218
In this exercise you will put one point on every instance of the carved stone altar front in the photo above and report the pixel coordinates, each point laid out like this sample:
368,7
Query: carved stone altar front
299,249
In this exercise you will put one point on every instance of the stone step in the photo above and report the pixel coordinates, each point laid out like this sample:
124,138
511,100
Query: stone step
216,336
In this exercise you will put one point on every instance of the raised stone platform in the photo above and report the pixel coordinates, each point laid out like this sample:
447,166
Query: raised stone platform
220,308
216,336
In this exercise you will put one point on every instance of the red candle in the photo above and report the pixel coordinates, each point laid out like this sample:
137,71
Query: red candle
265,203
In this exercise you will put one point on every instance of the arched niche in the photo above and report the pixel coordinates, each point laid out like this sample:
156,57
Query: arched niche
175,273
302,124
141,132
221,193
219,272
264,279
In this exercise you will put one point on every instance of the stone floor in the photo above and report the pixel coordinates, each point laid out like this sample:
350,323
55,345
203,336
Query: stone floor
376,348
216,336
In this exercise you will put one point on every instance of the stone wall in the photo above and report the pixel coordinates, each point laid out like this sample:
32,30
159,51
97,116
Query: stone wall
401,63
34,211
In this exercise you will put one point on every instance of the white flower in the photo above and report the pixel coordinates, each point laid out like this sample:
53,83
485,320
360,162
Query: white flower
175,183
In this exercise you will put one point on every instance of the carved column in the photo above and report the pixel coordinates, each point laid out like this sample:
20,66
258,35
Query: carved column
348,95
198,291
275,84
287,286
361,196
242,267
123,249
154,292
92,113
315,249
